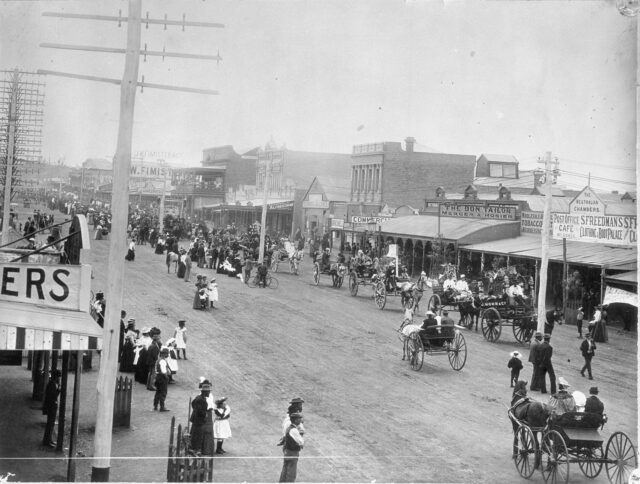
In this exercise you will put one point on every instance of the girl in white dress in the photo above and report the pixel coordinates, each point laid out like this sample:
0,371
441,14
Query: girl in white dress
180,334
221,427
213,292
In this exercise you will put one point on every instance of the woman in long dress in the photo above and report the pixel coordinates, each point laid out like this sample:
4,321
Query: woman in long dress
221,427
182,268
128,353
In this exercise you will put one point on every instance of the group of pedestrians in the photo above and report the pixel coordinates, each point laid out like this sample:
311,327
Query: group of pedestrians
209,422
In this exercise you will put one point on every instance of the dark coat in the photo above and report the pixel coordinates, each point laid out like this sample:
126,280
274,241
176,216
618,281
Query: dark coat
152,353
584,348
594,405
51,397
544,352
515,364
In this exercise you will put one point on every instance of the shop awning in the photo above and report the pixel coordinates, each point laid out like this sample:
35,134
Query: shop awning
462,230
31,327
630,277
581,253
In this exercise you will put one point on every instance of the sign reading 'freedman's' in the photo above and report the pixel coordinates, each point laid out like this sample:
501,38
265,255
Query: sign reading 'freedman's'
64,287
468,210
606,229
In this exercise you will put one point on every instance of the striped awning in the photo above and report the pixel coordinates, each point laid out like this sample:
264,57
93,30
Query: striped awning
31,327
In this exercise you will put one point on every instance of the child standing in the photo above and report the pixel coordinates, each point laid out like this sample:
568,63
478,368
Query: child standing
579,319
515,364
221,427
213,292
180,334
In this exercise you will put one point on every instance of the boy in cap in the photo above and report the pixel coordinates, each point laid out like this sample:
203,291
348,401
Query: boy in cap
161,380
293,444
515,364
588,349
562,402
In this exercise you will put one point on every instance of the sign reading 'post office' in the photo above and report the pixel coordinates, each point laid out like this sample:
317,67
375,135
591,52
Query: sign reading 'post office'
608,229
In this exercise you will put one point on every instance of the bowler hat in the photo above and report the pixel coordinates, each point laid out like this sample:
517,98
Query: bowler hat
547,336
297,400
593,390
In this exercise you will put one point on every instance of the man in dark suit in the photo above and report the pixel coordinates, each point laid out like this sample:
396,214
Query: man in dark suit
50,406
588,349
535,378
551,318
543,359
153,351
594,404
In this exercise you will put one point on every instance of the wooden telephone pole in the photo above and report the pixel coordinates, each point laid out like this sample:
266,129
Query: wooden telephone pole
120,208
544,258
268,161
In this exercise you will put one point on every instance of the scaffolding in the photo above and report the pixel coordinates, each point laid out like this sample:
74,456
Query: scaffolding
21,119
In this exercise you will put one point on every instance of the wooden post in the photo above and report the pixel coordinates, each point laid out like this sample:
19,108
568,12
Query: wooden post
63,400
565,278
8,179
263,228
544,259
73,436
117,250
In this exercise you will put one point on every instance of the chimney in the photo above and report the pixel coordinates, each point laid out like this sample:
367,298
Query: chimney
409,142
537,175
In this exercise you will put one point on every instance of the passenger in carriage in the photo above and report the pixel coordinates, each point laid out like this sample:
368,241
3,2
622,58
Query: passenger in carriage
593,403
461,284
429,321
390,275
449,287
515,293
562,401
325,263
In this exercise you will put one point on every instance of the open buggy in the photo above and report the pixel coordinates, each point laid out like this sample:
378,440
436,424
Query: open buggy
336,270
434,340
394,281
287,252
361,275
572,438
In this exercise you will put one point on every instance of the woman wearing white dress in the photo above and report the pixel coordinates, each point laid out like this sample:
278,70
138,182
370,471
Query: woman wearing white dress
180,334
213,292
221,427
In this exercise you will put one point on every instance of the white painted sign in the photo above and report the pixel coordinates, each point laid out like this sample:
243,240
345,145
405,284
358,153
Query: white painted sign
337,223
587,203
56,286
359,219
324,204
609,229
615,295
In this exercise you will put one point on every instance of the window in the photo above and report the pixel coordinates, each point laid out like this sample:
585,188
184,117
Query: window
502,170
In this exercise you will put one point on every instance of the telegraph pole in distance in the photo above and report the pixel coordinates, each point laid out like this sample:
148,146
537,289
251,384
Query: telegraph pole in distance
263,222
544,258
8,176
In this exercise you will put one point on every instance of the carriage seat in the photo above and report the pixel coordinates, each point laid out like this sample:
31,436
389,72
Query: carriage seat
437,335
578,429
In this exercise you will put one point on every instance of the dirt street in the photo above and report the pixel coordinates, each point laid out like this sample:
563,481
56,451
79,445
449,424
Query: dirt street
368,416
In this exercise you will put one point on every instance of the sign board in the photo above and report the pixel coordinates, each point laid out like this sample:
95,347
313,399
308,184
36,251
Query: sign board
55,286
531,223
360,219
615,295
337,223
608,229
586,203
324,204
486,211
280,205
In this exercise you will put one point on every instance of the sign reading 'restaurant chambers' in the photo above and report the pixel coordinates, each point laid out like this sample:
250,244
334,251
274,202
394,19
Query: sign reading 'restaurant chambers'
56,286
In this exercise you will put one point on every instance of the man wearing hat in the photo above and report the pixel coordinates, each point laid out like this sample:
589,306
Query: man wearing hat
551,318
594,404
152,356
515,364
543,355
588,349
161,380
295,406
430,320
563,401
202,421
293,443
461,284
50,406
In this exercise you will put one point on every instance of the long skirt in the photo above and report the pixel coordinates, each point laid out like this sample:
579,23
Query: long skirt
197,304
182,268
202,438
159,249
126,362
131,255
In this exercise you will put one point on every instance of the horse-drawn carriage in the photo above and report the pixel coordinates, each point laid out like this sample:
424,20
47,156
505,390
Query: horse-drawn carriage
571,438
392,281
286,251
361,275
434,340
337,271
452,300
498,312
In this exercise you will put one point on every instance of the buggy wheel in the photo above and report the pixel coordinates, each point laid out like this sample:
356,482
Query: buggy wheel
491,325
434,304
457,352
380,295
416,351
522,331
316,273
591,463
620,458
525,457
253,281
555,459
353,284
272,282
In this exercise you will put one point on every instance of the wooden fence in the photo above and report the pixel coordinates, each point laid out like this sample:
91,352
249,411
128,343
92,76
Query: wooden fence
183,464
122,402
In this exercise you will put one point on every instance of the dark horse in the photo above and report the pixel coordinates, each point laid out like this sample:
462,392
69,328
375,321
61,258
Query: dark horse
470,310
530,412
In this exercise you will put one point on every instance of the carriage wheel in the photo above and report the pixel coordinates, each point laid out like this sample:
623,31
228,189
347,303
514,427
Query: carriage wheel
316,273
526,451
591,464
434,304
272,282
380,295
620,458
457,352
491,325
353,284
555,459
416,351
521,330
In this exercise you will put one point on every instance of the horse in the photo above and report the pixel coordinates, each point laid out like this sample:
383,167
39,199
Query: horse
413,290
471,309
535,414
406,329
172,258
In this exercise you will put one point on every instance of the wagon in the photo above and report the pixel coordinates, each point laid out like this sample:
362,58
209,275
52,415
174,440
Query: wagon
409,292
497,313
436,340
364,275
337,272
573,438
440,300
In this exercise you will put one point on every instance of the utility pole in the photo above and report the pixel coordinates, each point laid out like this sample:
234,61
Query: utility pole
120,205
161,208
546,222
263,223
81,185
8,176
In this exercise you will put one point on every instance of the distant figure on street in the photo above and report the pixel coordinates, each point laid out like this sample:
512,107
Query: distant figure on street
552,317
131,253
562,402
515,364
180,334
202,421
579,319
535,377
588,349
293,444
50,407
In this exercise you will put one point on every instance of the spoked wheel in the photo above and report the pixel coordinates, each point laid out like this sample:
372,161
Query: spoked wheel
272,282
491,325
380,295
555,459
316,273
620,458
591,463
434,304
274,264
416,351
522,331
525,457
457,352
353,284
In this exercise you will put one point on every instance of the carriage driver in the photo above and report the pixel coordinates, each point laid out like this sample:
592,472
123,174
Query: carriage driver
449,287
325,263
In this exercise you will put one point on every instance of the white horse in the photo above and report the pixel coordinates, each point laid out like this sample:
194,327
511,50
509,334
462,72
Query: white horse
172,258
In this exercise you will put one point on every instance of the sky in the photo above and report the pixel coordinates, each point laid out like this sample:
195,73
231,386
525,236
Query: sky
502,77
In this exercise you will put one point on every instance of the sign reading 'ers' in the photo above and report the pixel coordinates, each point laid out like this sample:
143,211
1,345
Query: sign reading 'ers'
587,222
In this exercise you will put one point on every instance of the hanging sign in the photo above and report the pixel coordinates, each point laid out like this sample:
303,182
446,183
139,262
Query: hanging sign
604,229
586,203
337,223
360,219
472,210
